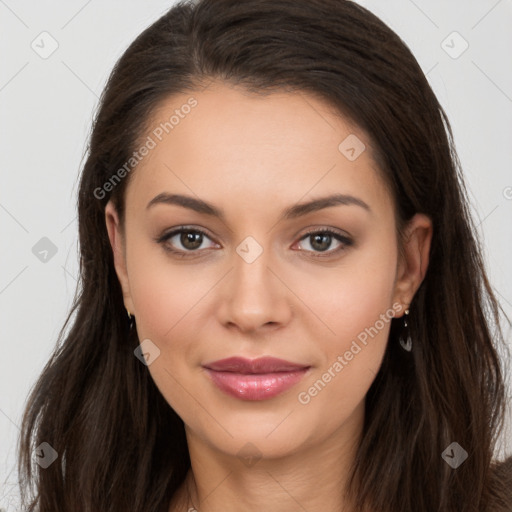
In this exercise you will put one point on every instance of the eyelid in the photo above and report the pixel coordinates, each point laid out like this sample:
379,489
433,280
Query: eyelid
177,230
332,231
342,237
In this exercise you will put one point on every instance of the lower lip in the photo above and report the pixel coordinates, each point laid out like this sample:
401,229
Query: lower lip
255,386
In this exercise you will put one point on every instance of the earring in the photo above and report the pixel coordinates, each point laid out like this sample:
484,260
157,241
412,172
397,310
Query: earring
406,343
131,318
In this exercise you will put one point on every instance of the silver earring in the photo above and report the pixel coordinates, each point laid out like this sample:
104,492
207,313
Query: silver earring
406,343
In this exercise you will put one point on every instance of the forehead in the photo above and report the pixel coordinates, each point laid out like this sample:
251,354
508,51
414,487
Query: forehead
225,140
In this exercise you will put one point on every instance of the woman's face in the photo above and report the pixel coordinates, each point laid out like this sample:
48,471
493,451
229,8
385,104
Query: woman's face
253,173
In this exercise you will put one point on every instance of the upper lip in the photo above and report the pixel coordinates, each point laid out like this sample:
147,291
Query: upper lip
259,365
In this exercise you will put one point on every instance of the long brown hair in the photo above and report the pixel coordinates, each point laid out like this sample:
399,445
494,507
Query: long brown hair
120,445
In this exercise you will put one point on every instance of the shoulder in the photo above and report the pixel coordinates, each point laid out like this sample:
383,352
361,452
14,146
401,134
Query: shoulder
500,486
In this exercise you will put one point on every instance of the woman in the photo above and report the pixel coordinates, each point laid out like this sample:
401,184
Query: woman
283,305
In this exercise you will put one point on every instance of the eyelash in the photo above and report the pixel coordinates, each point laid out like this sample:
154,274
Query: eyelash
346,241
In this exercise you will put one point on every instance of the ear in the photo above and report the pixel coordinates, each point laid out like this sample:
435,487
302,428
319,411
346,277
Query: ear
413,260
117,241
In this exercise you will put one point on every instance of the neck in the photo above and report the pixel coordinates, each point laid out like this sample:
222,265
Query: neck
311,478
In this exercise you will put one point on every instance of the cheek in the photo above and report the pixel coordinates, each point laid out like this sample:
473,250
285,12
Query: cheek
167,299
163,293
355,303
352,297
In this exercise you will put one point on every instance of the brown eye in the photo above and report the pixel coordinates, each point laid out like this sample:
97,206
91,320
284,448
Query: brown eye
184,240
191,239
321,241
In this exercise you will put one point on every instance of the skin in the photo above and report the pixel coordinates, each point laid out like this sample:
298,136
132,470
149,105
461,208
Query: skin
252,157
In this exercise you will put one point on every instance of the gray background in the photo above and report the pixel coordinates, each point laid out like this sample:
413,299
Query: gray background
46,108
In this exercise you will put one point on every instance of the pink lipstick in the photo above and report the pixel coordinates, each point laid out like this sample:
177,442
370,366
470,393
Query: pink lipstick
256,379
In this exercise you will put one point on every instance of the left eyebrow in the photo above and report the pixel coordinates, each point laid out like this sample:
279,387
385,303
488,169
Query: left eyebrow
291,212
301,209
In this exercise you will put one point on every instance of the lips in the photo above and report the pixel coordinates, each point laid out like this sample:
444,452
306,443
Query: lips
260,365
256,379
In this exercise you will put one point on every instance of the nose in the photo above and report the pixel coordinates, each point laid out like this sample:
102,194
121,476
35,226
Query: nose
254,296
